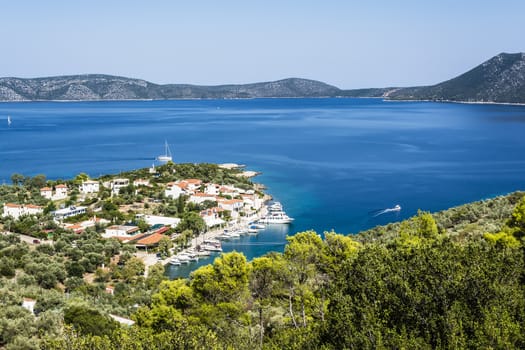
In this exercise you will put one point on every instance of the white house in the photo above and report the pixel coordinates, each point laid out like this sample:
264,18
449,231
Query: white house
61,214
232,205
60,192
89,186
46,192
120,230
190,185
117,184
18,210
141,182
229,191
252,201
212,189
211,216
173,190
199,198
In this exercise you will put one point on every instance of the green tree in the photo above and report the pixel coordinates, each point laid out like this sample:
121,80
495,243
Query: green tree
304,253
192,221
88,321
133,268
17,179
165,244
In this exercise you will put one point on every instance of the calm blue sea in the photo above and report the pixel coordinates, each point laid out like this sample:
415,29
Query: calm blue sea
331,162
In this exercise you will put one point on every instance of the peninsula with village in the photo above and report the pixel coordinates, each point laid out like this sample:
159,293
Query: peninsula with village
167,214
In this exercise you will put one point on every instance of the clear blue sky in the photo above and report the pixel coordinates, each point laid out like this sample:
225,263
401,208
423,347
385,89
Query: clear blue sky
350,44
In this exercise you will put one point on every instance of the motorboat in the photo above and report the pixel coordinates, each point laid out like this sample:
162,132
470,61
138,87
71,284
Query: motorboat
211,245
211,248
256,226
276,217
183,258
175,261
203,253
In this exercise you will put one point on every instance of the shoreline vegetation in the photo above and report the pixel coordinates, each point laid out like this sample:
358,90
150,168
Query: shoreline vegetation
452,279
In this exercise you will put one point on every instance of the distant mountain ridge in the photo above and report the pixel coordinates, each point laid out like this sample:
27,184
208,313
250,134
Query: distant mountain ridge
108,87
501,79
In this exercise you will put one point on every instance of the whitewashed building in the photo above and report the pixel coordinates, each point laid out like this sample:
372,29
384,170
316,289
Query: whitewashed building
60,192
117,184
199,198
232,205
46,192
89,186
211,216
173,190
141,182
252,201
18,210
120,231
63,213
212,189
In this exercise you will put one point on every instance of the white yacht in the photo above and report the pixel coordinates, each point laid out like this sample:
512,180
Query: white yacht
276,217
183,258
276,206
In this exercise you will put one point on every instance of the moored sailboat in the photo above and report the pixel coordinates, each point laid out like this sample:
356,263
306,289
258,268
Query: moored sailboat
166,157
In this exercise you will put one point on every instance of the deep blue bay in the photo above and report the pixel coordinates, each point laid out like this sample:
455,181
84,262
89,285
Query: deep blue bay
331,162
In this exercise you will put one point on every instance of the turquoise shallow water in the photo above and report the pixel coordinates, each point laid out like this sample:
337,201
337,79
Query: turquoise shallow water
331,162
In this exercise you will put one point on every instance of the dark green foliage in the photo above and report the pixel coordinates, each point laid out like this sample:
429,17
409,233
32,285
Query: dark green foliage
89,321
450,280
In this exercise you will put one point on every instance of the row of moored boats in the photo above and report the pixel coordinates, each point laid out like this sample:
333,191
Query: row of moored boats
275,215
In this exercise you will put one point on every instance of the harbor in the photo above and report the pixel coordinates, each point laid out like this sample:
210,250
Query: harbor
249,234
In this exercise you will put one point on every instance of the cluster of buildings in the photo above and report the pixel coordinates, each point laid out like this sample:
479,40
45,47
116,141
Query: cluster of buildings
59,193
230,198
18,210
238,202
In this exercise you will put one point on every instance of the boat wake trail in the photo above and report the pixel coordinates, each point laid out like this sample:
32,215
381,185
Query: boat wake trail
375,213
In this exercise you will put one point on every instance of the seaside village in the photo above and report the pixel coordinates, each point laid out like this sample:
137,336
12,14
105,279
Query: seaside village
165,215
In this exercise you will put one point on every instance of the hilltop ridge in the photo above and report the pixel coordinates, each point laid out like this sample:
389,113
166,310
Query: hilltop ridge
109,87
500,79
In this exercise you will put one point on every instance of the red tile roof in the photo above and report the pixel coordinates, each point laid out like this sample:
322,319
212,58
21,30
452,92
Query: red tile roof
193,181
12,205
162,230
152,239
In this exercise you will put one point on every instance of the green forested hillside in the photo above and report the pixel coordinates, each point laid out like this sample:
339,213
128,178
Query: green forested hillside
453,280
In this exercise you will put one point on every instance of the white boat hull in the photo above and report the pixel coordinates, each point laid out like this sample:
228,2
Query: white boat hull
164,158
